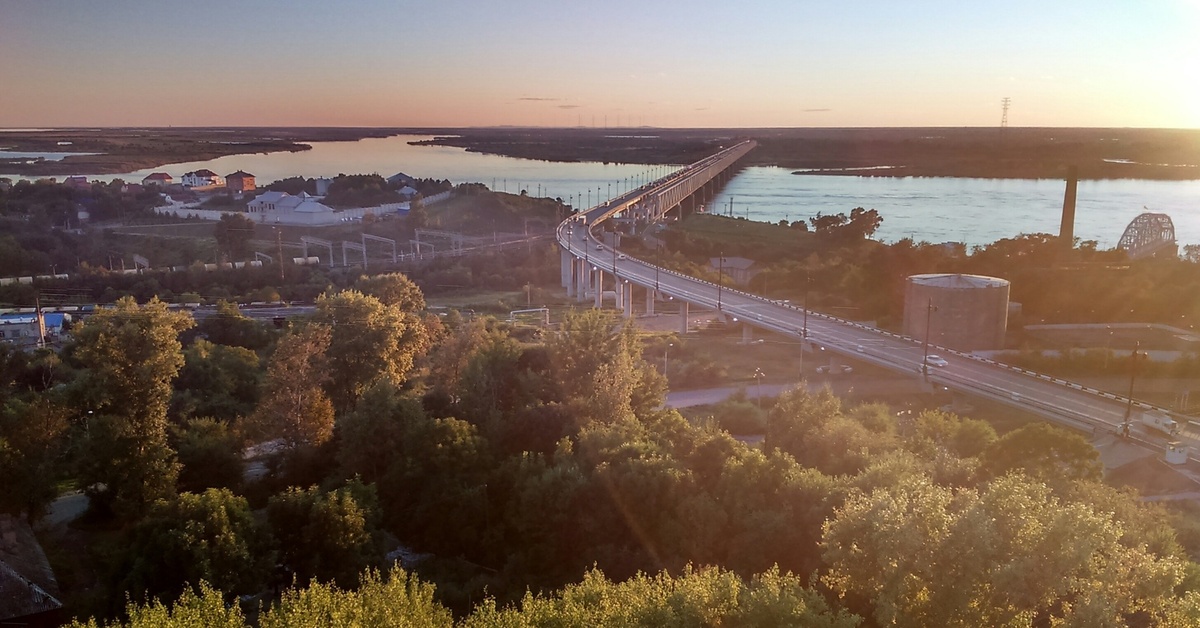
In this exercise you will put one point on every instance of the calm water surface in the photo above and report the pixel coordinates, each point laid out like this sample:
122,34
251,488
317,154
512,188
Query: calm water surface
973,211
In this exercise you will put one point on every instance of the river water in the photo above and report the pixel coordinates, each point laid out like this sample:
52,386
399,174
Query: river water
934,209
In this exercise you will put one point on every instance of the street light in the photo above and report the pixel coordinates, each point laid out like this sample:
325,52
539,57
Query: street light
804,333
1132,375
758,375
720,277
665,349
929,310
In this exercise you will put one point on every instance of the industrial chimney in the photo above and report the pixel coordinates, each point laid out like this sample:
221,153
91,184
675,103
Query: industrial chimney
1066,232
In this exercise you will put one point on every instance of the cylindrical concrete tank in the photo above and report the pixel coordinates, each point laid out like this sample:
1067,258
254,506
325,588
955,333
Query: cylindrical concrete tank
964,312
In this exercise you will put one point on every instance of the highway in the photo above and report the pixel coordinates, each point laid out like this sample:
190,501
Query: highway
1058,400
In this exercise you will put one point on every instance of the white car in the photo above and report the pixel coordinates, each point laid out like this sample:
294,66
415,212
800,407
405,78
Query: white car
621,256
936,360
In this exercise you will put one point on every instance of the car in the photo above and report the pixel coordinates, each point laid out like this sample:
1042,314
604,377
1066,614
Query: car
835,369
599,247
621,256
936,360
860,349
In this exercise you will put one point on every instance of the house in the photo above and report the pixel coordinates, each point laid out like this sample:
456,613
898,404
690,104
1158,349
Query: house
29,330
400,180
160,179
407,193
201,179
239,182
78,183
275,204
28,590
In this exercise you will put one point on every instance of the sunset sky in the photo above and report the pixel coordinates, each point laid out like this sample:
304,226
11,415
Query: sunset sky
697,63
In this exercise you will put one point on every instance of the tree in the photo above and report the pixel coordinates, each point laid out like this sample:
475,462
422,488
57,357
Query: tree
234,233
294,405
1044,452
369,342
697,597
418,216
210,537
448,361
393,289
210,454
1012,554
217,381
590,339
32,439
326,536
203,607
228,326
131,354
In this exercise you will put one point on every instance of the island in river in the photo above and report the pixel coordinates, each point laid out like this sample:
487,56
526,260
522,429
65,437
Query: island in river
1013,152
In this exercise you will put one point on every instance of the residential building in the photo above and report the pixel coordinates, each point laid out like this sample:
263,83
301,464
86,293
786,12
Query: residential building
201,179
29,330
400,180
78,182
239,182
160,179
407,193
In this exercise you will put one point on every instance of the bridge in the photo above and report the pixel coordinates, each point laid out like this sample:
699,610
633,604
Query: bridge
1148,234
590,262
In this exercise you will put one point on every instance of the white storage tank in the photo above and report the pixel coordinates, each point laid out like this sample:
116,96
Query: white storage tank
963,312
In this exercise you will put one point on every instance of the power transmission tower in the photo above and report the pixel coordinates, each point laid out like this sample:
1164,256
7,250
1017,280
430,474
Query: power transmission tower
1004,109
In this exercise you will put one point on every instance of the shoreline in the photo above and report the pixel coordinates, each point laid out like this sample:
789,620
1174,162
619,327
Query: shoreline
960,153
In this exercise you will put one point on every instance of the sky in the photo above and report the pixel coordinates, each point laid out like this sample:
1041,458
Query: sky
614,63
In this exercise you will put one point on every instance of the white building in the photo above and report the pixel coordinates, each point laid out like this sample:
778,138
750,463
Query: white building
281,207
202,179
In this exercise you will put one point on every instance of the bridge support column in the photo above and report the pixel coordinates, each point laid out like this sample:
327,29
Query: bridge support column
650,296
627,298
747,334
568,272
599,287
683,317
583,279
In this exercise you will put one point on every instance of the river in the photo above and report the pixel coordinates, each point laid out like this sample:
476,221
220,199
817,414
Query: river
935,209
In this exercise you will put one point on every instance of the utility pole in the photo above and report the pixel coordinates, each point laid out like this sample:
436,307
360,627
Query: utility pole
279,252
929,310
720,277
1004,103
1132,375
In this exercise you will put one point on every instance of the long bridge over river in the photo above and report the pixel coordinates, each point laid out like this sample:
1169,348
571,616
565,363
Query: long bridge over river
591,260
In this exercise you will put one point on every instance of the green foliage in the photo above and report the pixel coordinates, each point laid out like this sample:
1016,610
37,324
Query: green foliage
1009,555
228,326
397,601
293,405
205,608
210,537
233,233
704,597
217,381
32,440
210,455
1044,452
369,342
131,354
394,289
330,537
360,190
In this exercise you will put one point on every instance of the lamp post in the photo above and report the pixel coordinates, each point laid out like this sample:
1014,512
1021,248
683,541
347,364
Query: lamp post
720,277
1132,375
758,375
610,190
804,333
665,349
929,310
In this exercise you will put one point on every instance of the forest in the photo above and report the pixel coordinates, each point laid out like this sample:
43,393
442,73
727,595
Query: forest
448,470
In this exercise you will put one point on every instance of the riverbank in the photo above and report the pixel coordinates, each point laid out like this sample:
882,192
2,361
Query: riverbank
986,153
122,150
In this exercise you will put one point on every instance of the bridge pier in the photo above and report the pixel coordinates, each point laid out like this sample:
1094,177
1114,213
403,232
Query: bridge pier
683,317
583,280
599,288
650,296
747,334
568,272
627,298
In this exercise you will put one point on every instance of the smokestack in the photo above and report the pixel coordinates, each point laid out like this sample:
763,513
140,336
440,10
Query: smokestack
1066,232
